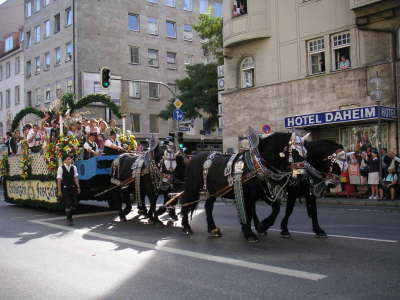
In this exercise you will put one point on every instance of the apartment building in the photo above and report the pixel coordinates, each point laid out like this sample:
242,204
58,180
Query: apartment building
11,63
67,42
308,64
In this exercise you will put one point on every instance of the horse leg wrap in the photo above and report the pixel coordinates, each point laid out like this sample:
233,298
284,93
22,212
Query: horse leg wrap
238,189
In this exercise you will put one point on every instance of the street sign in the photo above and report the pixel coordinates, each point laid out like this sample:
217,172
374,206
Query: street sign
178,115
184,128
221,84
266,129
178,103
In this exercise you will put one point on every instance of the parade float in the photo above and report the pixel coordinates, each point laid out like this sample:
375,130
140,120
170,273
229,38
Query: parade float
29,179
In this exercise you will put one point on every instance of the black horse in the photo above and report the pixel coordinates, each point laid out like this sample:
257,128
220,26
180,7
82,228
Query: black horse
274,151
150,182
321,172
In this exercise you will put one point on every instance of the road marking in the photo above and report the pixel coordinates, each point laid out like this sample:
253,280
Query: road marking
343,236
187,253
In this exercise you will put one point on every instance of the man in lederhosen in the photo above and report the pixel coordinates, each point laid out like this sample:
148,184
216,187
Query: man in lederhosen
68,186
90,147
112,146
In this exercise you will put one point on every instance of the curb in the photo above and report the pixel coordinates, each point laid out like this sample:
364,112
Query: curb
358,202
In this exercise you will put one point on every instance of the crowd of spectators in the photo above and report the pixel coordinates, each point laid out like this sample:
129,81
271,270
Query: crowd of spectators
96,136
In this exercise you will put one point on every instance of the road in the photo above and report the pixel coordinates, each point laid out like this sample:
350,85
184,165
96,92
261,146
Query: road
101,258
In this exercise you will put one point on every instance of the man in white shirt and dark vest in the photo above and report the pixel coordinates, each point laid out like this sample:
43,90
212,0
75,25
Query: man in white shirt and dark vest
90,147
68,186
112,146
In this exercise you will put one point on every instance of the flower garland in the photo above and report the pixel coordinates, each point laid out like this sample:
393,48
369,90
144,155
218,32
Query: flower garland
68,144
50,156
26,161
4,166
128,142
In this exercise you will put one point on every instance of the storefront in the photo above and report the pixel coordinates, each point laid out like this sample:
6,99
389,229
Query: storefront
355,128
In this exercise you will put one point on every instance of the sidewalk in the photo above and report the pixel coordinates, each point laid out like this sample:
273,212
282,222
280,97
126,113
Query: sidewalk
357,202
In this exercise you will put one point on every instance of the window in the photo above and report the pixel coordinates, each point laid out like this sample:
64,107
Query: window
134,89
59,90
153,57
1,73
133,22
1,100
16,95
37,64
187,59
8,70
37,5
28,69
341,50
38,96
21,36
37,34
1,129
187,32
239,7
69,85
152,25
247,72
29,98
170,3
17,65
46,2
152,1
48,94
316,56
8,98
68,51
28,9
57,23
58,55
68,16
171,60
28,39
203,5
217,9
135,120
187,5
47,61
9,44
154,124
171,29
135,58
47,28
154,90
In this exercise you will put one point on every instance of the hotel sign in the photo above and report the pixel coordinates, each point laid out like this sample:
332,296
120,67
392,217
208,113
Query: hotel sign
339,116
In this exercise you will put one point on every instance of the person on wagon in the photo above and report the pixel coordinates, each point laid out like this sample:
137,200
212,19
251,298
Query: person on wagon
90,147
112,146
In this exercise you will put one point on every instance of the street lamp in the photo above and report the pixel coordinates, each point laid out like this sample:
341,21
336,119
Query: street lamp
377,94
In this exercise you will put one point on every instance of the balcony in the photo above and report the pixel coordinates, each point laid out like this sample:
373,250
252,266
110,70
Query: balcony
250,23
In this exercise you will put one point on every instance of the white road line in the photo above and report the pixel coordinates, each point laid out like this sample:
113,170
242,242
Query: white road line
343,236
187,253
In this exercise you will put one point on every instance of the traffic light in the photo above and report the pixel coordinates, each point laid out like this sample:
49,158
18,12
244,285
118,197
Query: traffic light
105,77
180,139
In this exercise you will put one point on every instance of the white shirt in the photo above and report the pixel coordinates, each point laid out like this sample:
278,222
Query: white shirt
60,171
37,138
110,142
88,146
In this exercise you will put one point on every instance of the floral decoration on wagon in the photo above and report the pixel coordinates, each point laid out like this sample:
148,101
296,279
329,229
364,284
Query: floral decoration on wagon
128,142
25,162
68,144
51,157
4,166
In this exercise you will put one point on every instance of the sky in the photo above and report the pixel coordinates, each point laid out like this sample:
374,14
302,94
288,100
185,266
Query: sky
1,1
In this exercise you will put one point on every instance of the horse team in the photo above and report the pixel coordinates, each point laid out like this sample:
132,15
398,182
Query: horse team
281,166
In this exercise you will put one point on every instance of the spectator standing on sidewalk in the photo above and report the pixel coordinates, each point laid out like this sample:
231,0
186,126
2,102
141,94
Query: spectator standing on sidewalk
373,174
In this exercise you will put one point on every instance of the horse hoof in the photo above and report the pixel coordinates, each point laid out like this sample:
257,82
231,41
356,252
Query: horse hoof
286,235
252,239
216,232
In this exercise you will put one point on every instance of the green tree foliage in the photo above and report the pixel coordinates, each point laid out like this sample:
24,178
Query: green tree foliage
198,93
209,29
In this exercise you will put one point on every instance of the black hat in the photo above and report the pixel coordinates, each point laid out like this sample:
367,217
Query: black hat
65,156
93,134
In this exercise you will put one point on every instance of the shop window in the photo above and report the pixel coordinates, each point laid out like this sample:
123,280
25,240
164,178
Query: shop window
341,44
135,121
359,138
239,8
247,72
316,56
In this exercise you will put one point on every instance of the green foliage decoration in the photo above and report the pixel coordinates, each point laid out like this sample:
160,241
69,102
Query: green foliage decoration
97,98
22,113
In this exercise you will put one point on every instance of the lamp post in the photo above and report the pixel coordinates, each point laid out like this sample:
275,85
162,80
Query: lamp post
377,94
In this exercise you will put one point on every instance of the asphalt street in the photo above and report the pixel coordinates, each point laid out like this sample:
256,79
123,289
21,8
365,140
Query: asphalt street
102,258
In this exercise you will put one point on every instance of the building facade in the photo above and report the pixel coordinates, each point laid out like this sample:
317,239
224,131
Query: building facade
11,63
67,42
307,64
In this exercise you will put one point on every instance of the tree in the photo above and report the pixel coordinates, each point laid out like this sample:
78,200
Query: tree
209,29
199,94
